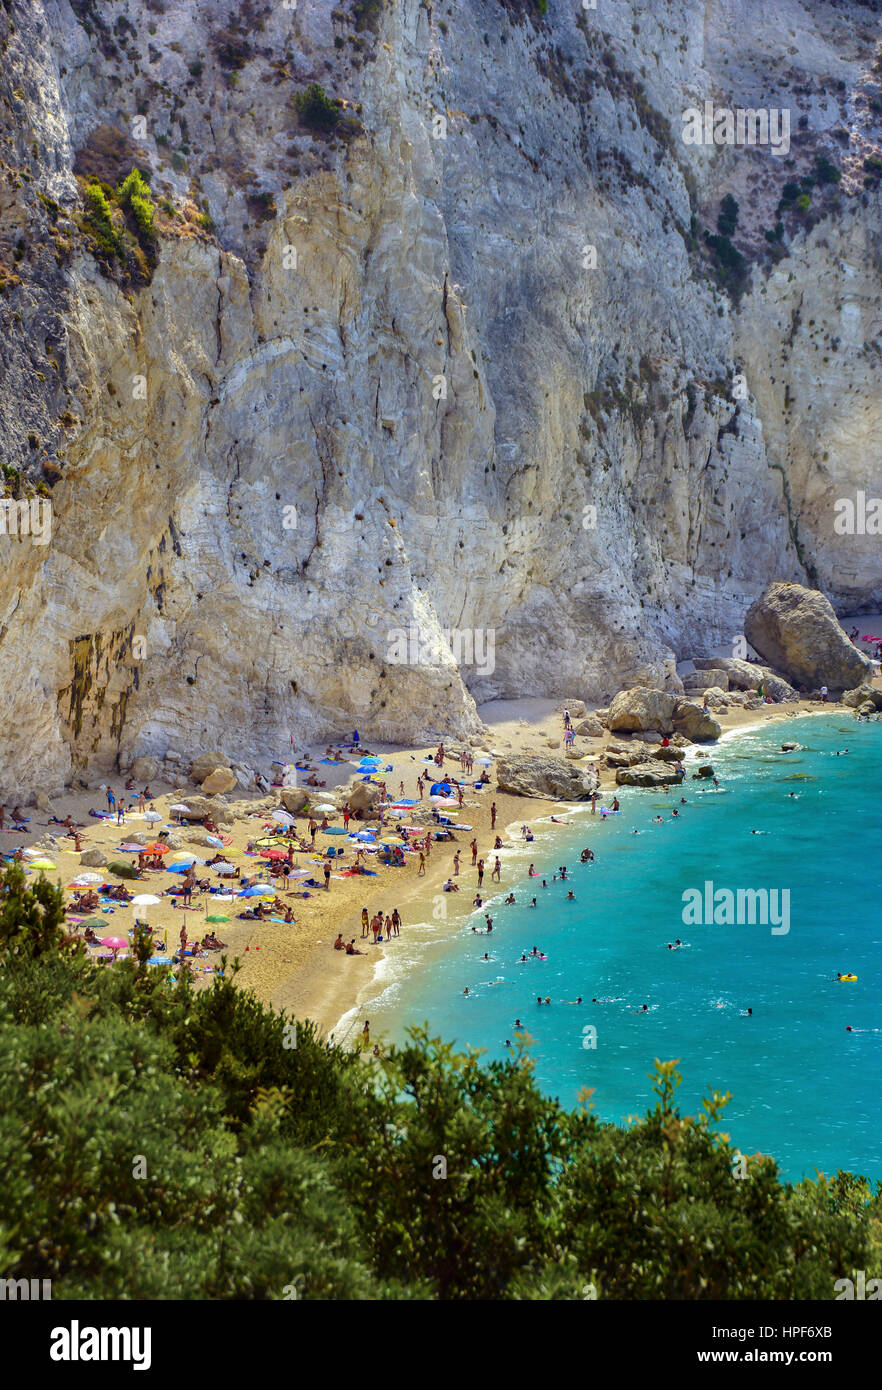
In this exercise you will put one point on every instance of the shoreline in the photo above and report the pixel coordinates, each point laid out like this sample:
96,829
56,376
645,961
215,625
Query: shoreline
371,987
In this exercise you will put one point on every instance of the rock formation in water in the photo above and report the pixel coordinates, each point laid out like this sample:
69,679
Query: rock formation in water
433,366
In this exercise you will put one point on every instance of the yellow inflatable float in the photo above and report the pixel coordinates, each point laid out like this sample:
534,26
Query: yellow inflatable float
843,978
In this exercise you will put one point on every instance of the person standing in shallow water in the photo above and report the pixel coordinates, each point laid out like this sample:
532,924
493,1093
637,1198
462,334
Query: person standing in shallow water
493,815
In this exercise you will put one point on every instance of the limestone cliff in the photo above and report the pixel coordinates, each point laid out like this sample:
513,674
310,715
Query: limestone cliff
442,349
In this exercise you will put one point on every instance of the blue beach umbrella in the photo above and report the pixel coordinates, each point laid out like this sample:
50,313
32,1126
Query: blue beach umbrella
440,789
159,960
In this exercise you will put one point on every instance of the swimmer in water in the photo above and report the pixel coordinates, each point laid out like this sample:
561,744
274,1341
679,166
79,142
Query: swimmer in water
674,813
749,1014
518,1023
544,884
572,1001
523,958
571,897
535,951
467,990
658,820
533,903
644,1010
486,956
636,832
510,899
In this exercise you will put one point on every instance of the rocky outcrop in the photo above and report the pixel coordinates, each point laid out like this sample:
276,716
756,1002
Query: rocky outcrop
690,719
861,695
365,797
632,711
649,774
797,632
550,778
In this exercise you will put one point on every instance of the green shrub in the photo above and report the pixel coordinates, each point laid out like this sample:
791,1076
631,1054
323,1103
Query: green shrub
134,196
317,110
99,221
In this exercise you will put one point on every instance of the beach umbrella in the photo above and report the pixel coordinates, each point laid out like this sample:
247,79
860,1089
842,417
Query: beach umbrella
144,900
334,830
300,873
178,806
365,836
159,960
440,789
152,815
157,847
326,810
371,758
217,917
130,849
274,854
93,922
213,840
114,943
283,817
223,869
42,864
251,893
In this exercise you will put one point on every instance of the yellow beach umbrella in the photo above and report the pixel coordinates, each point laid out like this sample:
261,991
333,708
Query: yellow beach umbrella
42,864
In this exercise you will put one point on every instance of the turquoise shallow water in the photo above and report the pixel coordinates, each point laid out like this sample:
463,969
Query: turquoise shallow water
803,1088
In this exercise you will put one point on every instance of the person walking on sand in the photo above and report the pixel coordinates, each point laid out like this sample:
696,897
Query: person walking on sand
388,925
497,870
365,922
346,815
480,872
422,869
111,800
396,921
493,816
474,848
326,870
456,864
459,796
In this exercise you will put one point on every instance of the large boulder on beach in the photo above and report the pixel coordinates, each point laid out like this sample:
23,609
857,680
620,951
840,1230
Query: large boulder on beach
632,711
93,858
741,675
779,689
294,799
365,797
649,774
861,695
575,707
714,677
796,631
205,764
145,770
223,779
544,776
691,720
590,727
715,699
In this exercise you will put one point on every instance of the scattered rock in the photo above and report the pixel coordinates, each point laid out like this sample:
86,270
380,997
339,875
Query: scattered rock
652,737
223,779
546,777
796,631
790,747
704,770
43,803
715,699
867,708
552,743
649,774
640,708
741,675
93,858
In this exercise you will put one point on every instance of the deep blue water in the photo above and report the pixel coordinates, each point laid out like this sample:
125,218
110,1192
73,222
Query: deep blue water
803,1088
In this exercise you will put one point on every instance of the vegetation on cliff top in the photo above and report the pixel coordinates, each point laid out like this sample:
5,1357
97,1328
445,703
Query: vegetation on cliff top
159,1142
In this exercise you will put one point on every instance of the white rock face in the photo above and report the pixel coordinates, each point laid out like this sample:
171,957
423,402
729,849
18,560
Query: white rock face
393,441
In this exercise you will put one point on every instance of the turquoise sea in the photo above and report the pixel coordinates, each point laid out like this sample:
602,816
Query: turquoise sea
803,1088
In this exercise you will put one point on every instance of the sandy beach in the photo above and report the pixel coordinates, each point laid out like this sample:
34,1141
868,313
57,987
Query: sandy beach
293,966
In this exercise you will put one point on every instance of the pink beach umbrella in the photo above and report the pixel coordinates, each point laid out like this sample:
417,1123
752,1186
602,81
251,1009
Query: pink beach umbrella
114,943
